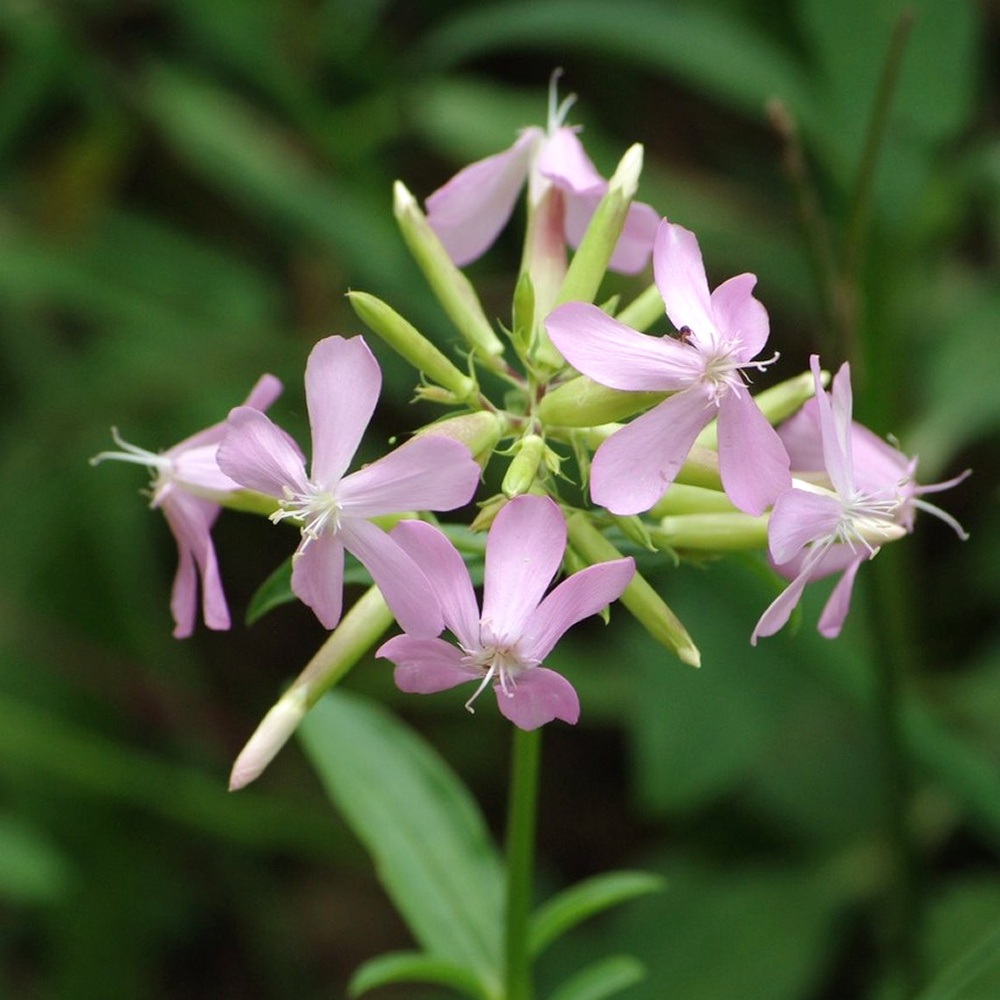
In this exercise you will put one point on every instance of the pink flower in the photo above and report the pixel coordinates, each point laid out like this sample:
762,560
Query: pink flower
704,367
428,473
468,212
187,482
813,531
506,644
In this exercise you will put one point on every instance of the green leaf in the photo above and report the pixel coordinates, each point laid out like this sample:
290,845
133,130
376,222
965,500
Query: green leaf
583,900
413,967
430,845
273,592
602,979
31,869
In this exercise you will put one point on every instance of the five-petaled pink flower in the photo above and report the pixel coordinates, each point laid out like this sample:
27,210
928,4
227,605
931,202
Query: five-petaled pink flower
187,482
468,212
506,645
720,333
427,473
813,532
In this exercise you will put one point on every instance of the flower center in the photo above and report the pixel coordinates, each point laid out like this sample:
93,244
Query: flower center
501,662
317,508
723,372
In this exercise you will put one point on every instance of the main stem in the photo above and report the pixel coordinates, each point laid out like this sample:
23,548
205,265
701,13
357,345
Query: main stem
522,810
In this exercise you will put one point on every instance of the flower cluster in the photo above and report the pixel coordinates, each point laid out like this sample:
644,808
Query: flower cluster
702,465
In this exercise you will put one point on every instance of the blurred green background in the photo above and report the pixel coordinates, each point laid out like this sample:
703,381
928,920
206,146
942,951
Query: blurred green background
186,191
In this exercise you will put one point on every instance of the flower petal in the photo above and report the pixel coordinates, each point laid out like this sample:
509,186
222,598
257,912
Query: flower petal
343,381
318,577
753,463
834,411
427,473
265,391
617,356
190,519
523,551
780,609
680,276
447,574
403,584
563,160
739,316
634,466
579,596
800,517
540,695
469,211
425,666
259,455
839,603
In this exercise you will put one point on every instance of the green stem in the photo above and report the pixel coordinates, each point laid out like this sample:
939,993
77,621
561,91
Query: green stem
522,809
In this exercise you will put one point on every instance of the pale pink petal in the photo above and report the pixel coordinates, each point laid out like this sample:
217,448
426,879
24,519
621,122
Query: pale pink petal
343,381
448,575
523,551
469,211
260,456
579,596
265,391
801,437
839,603
800,517
426,666
834,559
190,519
878,467
634,466
739,316
198,469
403,584
617,356
426,473
539,696
318,577
834,413
780,609
753,463
563,161
680,276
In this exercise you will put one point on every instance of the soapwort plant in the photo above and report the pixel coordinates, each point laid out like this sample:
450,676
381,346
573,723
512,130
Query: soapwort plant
600,429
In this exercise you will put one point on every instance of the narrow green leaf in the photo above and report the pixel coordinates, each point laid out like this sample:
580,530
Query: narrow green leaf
273,592
32,870
414,967
585,899
430,845
602,979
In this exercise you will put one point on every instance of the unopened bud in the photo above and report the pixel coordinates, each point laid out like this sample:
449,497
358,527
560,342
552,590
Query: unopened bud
639,597
523,469
479,432
581,402
411,344
590,262
453,290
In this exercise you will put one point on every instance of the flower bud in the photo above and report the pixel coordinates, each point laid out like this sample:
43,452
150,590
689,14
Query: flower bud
479,432
581,402
641,600
711,532
453,290
523,469
357,632
410,344
590,262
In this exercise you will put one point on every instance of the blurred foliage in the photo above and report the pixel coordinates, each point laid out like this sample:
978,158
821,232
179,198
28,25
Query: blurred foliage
187,189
